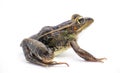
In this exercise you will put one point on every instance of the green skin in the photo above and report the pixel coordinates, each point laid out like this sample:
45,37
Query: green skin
42,47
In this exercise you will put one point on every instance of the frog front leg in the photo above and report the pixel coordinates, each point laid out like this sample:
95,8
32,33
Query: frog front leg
84,54
36,52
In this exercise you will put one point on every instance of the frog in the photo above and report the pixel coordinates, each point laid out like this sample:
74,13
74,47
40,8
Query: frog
41,48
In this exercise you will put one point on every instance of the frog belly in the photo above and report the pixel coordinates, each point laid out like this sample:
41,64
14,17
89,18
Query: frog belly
57,52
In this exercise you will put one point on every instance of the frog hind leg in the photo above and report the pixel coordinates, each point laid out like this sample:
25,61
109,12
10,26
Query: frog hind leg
29,55
35,50
84,54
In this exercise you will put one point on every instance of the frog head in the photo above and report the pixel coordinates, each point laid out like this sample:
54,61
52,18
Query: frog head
80,22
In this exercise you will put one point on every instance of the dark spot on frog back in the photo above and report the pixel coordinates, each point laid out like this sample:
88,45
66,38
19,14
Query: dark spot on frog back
45,29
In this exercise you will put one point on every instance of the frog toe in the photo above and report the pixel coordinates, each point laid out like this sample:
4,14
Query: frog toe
101,60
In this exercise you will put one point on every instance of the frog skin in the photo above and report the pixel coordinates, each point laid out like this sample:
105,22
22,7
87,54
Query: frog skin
51,41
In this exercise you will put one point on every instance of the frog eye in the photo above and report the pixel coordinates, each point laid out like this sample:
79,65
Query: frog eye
74,16
81,20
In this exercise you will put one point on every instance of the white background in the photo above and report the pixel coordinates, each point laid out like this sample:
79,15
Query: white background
20,19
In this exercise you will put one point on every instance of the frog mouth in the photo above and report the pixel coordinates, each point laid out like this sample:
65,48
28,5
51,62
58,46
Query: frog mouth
88,21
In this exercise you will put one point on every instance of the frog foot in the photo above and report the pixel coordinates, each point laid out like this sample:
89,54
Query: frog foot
97,60
101,60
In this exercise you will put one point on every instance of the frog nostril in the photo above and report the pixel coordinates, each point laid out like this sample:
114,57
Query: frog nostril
89,19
